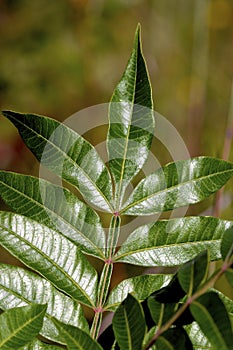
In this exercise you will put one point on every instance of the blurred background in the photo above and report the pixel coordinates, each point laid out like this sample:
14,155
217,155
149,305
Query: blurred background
58,57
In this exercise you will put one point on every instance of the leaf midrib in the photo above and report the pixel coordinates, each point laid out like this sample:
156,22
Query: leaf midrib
69,159
51,262
127,137
171,188
63,219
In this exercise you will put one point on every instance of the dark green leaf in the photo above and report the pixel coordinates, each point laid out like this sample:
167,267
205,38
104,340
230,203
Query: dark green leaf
55,207
212,317
194,272
229,276
75,338
140,286
174,339
19,287
20,325
178,184
227,244
49,253
173,242
160,312
131,122
67,154
129,324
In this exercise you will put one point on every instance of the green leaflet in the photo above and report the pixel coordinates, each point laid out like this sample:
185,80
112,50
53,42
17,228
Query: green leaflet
173,339
38,345
173,242
49,253
199,340
55,207
212,317
178,184
75,338
131,122
194,272
20,325
19,287
67,154
129,324
227,245
140,287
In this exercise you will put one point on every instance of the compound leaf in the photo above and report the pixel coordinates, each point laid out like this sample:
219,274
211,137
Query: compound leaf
19,287
178,184
20,325
173,242
131,122
55,207
51,254
67,154
129,324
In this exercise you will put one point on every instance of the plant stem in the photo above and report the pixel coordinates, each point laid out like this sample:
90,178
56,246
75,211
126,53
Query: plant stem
209,284
106,275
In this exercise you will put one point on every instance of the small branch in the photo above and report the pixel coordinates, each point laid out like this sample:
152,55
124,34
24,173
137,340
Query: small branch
209,284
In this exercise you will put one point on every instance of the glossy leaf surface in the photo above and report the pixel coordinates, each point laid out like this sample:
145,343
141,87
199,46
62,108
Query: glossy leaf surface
140,286
19,287
212,317
178,184
20,325
75,338
199,340
67,154
55,207
49,253
131,122
129,324
173,242
38,345
192,274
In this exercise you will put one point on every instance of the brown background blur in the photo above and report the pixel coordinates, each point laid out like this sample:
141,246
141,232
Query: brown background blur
57,57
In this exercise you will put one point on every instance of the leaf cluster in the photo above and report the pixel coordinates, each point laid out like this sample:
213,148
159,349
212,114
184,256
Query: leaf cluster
52,232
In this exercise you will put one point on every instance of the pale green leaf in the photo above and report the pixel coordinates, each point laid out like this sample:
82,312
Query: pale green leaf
20,325
51,254
131,122
197,337
178,184
67,154
38,345
129,324
140,287
56,207
19,287
173,242
75,338
210,313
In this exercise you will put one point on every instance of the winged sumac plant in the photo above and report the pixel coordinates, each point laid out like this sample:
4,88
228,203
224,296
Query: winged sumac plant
52,232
